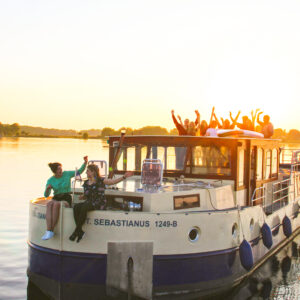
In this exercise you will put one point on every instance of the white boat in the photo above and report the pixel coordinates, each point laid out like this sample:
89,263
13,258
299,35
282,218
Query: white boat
200,215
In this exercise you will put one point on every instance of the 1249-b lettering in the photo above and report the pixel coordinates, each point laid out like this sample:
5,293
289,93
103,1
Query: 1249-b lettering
166,223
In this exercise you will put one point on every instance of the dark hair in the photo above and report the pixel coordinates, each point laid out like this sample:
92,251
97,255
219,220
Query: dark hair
54,166
203,127
95,169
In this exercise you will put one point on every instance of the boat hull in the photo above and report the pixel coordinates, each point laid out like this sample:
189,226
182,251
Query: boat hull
76,274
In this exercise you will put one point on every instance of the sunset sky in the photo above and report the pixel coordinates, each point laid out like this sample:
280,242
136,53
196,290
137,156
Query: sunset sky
91,64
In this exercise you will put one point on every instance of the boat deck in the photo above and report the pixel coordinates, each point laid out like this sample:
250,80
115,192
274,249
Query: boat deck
133,185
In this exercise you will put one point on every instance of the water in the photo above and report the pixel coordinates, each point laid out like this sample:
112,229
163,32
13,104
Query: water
24,172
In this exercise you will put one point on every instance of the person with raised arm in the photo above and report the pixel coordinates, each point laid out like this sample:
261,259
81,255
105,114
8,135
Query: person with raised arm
186,128
233,120
267,128
179,126
253,115
94,188
246,124
219,125
60,183
212,127
186,123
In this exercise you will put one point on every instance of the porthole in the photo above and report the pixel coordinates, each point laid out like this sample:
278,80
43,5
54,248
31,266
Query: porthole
234,230
251,225
194,234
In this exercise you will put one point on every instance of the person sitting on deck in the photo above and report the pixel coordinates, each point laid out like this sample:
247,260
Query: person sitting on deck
185,124
267,128
60,182
226,123
94,196
180,127
203,127
188,128
246,124
213,124
212,130
192,129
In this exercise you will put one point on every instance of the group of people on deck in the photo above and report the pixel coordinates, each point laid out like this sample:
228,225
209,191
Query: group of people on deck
93,194
202,128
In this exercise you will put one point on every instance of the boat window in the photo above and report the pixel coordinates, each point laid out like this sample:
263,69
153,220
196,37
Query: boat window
177,157
158,153
133,160
211,159
259,164
267,164
130,158
186,201
241,160
121,163
171,159
274,162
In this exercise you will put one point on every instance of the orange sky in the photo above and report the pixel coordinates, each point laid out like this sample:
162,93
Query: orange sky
92,64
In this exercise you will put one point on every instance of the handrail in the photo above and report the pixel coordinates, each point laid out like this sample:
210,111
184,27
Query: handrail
61,225
280,194
253,200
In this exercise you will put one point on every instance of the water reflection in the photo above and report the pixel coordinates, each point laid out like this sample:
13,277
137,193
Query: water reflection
9,142
24,172
278,278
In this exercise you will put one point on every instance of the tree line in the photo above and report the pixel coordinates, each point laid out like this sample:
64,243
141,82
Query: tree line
30,131
9,130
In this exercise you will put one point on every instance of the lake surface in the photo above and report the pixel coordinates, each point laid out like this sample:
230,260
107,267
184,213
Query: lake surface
24,172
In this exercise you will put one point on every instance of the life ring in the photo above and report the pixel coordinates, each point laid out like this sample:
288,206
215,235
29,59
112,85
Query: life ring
246,255
266,235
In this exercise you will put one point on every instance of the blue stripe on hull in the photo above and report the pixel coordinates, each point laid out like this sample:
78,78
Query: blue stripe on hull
67,267
168,270
194,268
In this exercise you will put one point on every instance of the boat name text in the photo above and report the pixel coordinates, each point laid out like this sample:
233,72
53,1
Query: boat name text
132,223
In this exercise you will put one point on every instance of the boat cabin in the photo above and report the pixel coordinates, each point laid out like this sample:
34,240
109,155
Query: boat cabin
246,164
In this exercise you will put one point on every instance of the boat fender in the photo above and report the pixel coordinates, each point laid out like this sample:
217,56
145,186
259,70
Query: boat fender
246,255
266,235
287,226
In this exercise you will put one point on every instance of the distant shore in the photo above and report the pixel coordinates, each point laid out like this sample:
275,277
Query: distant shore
283,140
16,130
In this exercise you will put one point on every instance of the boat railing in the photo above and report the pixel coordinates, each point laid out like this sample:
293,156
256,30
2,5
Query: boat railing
295,167
259,196
281,192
